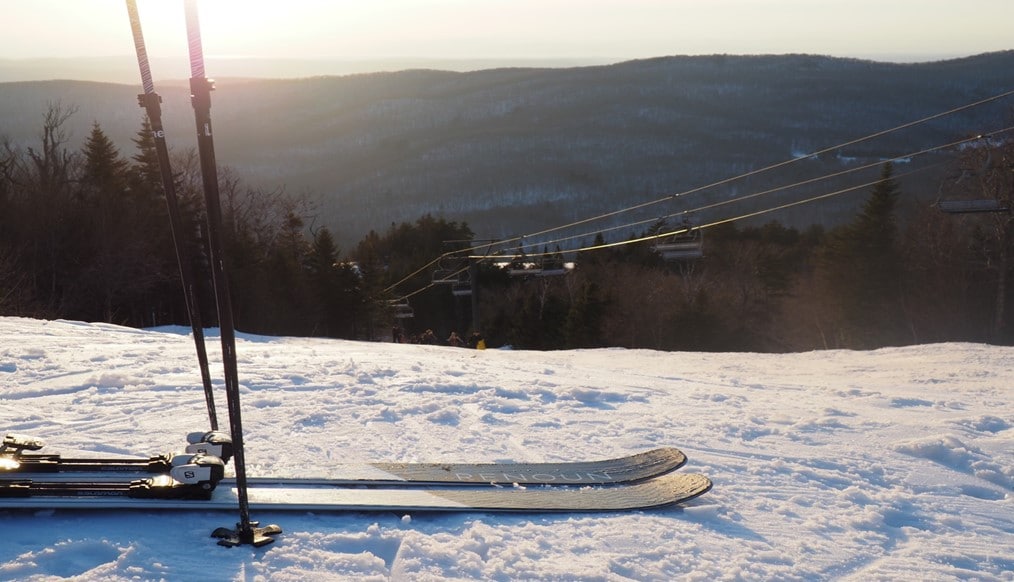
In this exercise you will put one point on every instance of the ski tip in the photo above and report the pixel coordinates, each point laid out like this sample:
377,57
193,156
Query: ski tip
665,458
682,487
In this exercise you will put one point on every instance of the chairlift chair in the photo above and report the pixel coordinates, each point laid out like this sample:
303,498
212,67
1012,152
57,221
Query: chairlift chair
956,206
552,267
402,310
682,247
462,285
520,266
444,277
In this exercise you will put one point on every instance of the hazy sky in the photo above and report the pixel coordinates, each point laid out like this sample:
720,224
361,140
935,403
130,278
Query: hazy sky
612,29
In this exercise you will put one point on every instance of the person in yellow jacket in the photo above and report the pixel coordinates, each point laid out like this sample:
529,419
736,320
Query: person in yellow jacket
476,341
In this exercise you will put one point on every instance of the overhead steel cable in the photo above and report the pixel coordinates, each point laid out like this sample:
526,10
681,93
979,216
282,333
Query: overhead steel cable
667,198
743,216
770,191
710,206
740,199
766,168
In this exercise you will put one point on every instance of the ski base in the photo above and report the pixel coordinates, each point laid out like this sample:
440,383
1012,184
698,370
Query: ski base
289,496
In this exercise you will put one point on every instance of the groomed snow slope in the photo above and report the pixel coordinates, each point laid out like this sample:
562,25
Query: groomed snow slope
895,464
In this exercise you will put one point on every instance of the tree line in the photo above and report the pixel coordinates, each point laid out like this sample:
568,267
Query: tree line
84,235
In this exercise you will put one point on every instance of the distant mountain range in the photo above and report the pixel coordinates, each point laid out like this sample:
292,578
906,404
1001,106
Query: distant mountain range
517,150
123,69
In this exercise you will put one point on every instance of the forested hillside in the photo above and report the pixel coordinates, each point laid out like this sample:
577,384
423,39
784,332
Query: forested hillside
513,151
404,163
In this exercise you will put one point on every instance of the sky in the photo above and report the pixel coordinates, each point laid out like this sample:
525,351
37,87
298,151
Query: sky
897,30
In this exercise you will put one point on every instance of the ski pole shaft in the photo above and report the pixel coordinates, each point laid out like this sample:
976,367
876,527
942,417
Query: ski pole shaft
200,88
151,102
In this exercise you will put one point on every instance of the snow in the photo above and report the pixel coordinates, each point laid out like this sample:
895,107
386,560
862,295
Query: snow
894,464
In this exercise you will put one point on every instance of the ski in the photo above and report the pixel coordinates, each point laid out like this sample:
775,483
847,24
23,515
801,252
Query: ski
290,495
627,469
624,470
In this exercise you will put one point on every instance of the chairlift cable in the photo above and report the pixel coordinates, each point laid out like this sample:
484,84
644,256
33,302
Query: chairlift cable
763,211
774,166
755,195
508,241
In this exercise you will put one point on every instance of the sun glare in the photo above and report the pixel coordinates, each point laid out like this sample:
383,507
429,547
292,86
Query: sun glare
228,27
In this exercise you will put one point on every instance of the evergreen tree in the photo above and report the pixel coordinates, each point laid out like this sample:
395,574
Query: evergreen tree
103,286
863,271
151,225
290,307
325,281
146,165
104,170
354,308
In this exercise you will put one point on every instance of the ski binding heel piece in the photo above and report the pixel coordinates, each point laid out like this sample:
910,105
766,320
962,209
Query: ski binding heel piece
215,443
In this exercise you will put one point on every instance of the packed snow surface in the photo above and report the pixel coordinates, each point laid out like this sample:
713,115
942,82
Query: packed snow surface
894,464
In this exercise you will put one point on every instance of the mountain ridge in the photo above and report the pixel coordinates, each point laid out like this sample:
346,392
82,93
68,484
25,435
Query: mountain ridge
518,149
